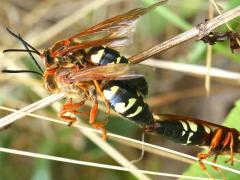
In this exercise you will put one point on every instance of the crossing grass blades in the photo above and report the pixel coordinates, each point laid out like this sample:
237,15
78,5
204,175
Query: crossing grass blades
86,69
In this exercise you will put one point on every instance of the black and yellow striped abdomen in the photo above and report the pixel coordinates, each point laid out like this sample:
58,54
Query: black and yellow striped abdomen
125,96
103,55
183,130
127,102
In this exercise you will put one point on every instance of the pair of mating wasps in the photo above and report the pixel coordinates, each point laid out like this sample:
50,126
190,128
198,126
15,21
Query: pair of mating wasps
84,70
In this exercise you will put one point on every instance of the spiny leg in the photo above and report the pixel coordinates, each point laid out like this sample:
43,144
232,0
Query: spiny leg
99,90
231,140
216,168
214,143
93,114
202,156
70,107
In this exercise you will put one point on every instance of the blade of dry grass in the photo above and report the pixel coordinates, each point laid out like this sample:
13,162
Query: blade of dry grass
121,139
126,139
92,164
193,69
30,108
209,55
91,135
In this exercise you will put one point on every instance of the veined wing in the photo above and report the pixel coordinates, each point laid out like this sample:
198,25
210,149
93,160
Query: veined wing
104,72
118,30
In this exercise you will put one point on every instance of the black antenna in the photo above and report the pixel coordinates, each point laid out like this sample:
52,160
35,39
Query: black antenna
19,38
30,54
26,45
21,71
18,50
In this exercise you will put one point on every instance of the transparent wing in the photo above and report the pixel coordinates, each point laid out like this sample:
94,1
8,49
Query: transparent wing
118,30
105,72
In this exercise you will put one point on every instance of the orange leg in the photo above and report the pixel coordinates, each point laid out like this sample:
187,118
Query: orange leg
214,143
227,140
71,108
99,90
93,114
202,156
216,139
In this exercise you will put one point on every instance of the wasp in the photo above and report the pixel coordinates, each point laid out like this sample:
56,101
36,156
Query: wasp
191,131
86,69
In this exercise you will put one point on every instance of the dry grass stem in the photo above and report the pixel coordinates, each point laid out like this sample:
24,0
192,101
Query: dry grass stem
30,108
196,70
199,32
126,139
92,164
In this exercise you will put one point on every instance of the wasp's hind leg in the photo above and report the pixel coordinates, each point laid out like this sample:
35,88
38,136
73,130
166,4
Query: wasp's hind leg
229,141
69,109
215,142
93,114
99,90
202,156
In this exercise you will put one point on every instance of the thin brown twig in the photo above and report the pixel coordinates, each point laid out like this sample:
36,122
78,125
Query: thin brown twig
199,31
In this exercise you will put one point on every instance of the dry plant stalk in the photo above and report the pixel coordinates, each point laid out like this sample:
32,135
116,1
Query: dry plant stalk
199,31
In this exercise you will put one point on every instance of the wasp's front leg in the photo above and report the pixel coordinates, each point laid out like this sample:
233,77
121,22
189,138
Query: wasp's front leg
69,109
93,114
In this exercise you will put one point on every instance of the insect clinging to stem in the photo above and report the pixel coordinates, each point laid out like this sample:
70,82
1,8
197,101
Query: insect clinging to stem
85,69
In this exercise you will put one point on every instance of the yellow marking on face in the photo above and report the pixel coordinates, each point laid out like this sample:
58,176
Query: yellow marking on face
189,136
207,129
108,94
118,59
139,109
120,107
97,57
193,126
184,124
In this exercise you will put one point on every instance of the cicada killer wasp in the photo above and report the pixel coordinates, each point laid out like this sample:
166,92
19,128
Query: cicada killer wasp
86,69
191,131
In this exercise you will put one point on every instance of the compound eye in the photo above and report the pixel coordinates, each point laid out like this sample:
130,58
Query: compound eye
48,59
